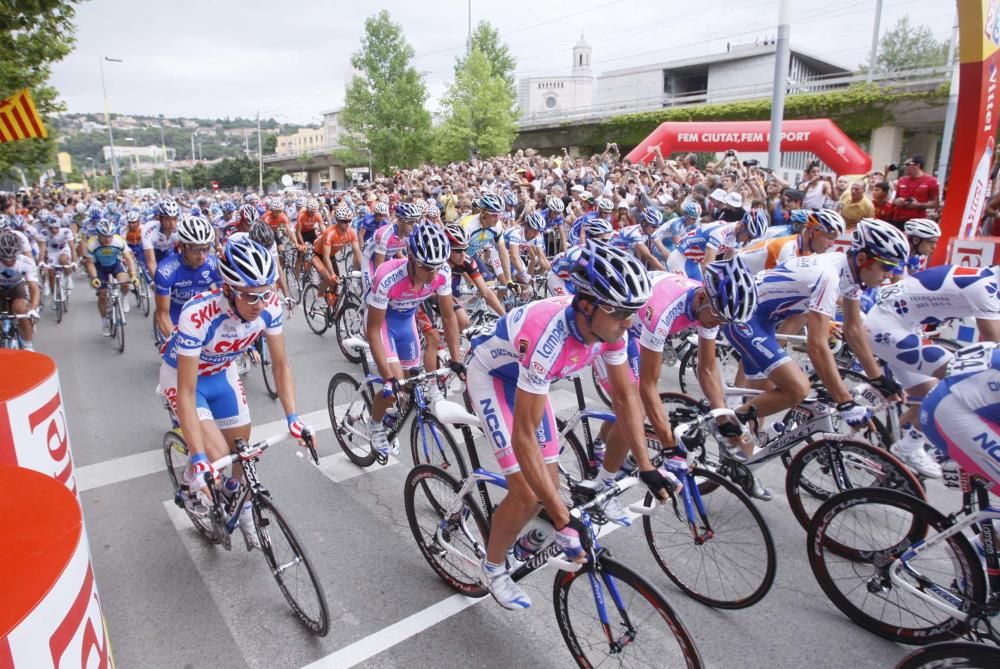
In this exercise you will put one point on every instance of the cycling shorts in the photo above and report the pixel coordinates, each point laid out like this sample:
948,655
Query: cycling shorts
492,399
632,350
757,345
558,286
968,435
678,262
219,397
10,293
104,273
401,339
911,360
309,236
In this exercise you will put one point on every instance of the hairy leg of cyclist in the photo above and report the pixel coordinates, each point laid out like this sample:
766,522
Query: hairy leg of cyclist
513,513
463,318
791,385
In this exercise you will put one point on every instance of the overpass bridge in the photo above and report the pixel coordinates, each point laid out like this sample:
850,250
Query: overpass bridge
322,166
579,130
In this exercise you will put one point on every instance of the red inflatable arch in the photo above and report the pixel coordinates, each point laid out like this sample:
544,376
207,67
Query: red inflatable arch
820,136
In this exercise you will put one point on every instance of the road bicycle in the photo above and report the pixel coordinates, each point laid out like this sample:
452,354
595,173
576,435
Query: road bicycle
903,570
344,314
604,610
60,288
349,402
143,291
116,314
952,655
282,550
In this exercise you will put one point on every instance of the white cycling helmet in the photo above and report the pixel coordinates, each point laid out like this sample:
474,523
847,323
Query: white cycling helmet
597,227
105,228
168,208
827,220
880,240
10,244
342,213
605,204
922,228
382,208
195,230
428,245
731,288
611,277
312,204
247,264
555,204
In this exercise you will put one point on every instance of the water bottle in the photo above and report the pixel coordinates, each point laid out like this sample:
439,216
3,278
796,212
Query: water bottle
529,543
600,449
390,418
230,487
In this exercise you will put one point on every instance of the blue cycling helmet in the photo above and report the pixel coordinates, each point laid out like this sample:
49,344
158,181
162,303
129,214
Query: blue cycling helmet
597,227
94,213
196,211
408,211
731,288
509,198
652,217
247,264
491,204
611,277
428,245
228,207
692,209
799,217
755,223
535,221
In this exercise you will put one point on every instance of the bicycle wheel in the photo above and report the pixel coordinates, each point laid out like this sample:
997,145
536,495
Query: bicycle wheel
350,410
687,371
119,329
348,324
642,629
599,388
452,545
315,308
953,655
175,454
876,526
731,564
865,466
266,368
290,567
58,299
433,444
575,461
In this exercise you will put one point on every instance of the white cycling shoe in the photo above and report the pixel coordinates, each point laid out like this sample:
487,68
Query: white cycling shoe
105,327
503,588
248,526
916,459
613,509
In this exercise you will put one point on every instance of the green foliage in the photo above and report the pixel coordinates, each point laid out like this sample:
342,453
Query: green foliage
33,35
907,47
384,105
857,110
486,38
479,113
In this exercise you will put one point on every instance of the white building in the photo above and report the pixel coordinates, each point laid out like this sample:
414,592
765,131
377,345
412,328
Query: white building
541,96
141,154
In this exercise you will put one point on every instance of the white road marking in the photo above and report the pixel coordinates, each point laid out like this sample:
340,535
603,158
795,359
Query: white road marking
338,467
137,465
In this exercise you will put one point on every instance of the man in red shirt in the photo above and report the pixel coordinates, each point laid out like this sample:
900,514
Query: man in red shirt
915,193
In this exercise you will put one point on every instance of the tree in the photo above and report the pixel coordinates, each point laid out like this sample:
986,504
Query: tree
479,113
384,105
487,40
908,47
33,35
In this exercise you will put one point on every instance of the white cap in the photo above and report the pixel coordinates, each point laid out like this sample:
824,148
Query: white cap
718,194
734,200
577,189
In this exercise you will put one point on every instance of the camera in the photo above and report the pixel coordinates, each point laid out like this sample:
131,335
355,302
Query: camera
730,153
751,163
893,168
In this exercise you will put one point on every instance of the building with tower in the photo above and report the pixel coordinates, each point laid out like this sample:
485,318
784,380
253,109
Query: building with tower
542,96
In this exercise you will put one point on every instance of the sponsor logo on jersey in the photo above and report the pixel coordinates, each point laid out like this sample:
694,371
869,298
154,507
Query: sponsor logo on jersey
493,422
522,348
205,314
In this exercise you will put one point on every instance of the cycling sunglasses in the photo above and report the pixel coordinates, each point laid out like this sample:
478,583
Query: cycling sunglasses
618,314
888,264
253,298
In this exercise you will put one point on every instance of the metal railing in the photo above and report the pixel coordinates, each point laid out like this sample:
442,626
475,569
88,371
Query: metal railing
294,155
915,80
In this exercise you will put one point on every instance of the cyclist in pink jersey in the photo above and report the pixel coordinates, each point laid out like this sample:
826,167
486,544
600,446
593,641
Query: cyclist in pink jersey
508,384
389,241
400,287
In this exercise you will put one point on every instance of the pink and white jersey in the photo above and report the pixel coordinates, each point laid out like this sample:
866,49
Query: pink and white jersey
669,311
393,290
386,242
209,329
539,343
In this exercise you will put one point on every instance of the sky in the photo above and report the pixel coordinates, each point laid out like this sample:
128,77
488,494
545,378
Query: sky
291,59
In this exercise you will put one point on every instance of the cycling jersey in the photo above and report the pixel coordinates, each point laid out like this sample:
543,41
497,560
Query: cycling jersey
558,279
107,255
670,310
629,237
58,240
209,329
386,242
718,236
307,222
155,240
552,219
577,227
467,268
277,220
480,237
23,270
768,253
180,282
516,237
366,226
334,238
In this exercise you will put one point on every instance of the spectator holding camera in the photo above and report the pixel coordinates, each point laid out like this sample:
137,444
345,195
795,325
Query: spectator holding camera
916,192
816,188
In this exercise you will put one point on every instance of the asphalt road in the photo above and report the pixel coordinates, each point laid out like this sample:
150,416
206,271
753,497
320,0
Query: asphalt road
172,600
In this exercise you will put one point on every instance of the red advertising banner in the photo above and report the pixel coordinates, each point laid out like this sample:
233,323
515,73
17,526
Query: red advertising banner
820,136
972,147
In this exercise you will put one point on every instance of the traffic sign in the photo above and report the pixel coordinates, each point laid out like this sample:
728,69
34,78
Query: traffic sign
215,185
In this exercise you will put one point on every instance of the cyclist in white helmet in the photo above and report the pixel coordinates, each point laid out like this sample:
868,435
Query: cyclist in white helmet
181,276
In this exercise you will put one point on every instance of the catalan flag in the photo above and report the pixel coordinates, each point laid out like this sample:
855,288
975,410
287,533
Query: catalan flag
19,119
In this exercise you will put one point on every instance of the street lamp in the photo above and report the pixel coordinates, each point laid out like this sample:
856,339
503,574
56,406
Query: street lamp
107,119
134,162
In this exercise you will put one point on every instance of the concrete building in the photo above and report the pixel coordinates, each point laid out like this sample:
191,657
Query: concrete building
541,96
304,140
142,154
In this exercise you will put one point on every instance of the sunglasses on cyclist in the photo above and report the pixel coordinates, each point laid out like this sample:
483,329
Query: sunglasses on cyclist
887,264
617,314
253,298
198,249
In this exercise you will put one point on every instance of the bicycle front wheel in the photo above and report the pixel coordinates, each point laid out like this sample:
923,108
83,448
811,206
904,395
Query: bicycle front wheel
871,529
348,324
175,454
431,443
350,410
267,369
119,329
315,308
957,654
641,630
731,562
814,471
290,567
451,533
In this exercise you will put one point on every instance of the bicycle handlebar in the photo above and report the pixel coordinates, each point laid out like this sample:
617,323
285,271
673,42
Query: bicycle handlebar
254,450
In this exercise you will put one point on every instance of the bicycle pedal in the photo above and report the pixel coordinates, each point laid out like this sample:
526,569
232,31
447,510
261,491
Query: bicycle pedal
382,458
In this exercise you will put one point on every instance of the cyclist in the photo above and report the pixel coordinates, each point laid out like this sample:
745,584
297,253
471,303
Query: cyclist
821,229
366,225
389,241
328,244
485,230
812,285
159,237
529,235
923,234
400,286
894,328
598,230
461,267
199,380
961,416
553,214
19,293
57,248
508,383
225,218
638,238
309,223
108,254
705,243
183,275
278,221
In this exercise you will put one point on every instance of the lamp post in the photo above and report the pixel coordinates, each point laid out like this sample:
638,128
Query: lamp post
107,119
